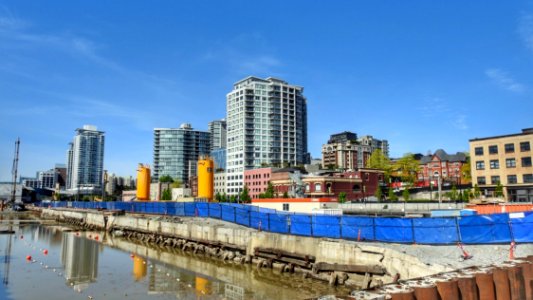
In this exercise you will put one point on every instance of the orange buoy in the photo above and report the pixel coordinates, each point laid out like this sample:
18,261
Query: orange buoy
45,252
28,258
96,238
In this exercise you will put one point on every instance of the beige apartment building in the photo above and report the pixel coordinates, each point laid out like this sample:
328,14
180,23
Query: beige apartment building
505,159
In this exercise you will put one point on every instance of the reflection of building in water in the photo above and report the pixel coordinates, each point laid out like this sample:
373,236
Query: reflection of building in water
234,292
139,268
161,283
79,257
54,236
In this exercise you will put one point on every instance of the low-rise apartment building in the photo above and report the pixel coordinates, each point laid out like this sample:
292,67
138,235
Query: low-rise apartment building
505,159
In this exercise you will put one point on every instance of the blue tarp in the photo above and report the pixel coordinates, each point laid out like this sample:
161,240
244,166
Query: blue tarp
485,229
435,230
357,228
278,223
522,228
394,230
326,226
301,225
478,229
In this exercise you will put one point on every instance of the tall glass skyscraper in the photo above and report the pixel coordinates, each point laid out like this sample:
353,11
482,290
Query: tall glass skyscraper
176,151
217,129
266,126
85,161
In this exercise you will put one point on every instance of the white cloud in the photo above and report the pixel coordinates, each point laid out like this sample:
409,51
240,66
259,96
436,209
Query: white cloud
504,80
525,30
460,122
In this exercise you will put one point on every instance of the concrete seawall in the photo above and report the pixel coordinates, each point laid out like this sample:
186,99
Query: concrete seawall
354,261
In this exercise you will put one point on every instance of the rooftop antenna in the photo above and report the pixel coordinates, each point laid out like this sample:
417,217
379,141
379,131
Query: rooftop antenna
14,171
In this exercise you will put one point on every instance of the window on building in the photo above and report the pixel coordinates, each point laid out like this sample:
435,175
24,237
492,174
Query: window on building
286,206
493,149
510,163
509,148
480,165
511,179
494,164
318,187
307,187
524,146
528,178
481,180
495,179
356,188
478,150
526,161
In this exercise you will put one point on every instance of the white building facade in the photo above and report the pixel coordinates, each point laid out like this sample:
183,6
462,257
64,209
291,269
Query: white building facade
266,126
85,161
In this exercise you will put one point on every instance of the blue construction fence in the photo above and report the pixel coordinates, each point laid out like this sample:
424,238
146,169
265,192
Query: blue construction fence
477,229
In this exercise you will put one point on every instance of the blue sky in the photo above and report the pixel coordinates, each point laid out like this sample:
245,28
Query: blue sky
422,74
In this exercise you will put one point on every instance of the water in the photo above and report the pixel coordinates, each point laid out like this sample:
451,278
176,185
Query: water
67,264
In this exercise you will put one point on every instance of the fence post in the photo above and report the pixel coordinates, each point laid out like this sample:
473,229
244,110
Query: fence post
249,218
311,224
459,238
413,230
234,214
268,220
374,228
340,226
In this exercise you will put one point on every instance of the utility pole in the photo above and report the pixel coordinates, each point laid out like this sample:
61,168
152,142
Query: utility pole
14,171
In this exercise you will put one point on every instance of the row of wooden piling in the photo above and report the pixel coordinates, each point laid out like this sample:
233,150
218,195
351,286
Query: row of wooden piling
511,280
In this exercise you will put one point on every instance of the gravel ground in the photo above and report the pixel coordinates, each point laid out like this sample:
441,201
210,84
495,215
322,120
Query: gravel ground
451,255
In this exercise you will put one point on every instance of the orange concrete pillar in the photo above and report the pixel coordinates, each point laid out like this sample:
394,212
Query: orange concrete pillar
468,288
516,283
501,284
405,295
427,293
485,286
448,290
527,272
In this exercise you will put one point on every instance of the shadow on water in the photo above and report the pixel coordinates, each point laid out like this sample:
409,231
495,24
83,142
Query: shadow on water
67,264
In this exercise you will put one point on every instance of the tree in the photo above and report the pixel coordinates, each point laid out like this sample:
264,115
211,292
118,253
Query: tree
244,195
405,195
269,193
232,199
378,160
378,193
477,191
466,172
167,195
408,168
454,195
176,184
392,196
166,178
498,191
218,197
224,197
342,197
285,195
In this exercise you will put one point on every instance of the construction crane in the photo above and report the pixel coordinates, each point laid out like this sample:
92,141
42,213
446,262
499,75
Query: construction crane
14,171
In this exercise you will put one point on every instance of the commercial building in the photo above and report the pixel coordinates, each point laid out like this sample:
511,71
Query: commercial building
85,161
217,129
219,157
257,181
348,152
357,185
267,126
443,165
176,151
220,183
506,159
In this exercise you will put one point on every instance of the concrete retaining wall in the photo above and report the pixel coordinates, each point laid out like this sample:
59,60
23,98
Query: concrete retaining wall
325,250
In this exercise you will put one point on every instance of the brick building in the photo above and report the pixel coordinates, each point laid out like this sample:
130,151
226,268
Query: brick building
443,165
346,151
257,181
357,185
